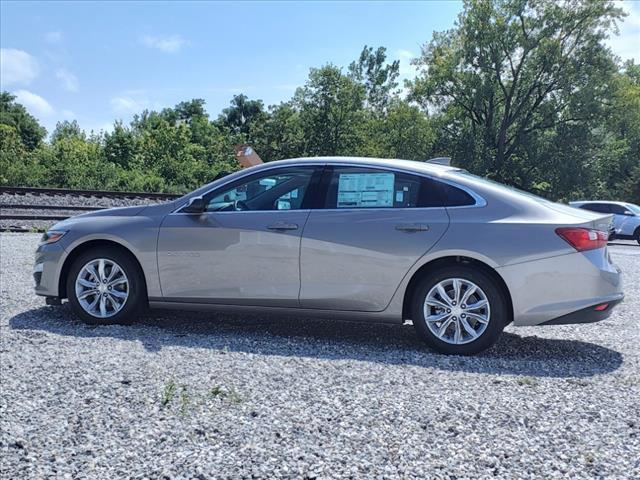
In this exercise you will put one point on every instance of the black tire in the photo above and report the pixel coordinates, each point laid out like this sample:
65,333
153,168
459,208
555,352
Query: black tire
136,300
498,318
638,235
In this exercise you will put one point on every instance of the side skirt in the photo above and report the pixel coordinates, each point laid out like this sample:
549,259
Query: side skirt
378,317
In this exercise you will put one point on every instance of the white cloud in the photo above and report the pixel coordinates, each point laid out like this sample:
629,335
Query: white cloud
166,44
405,57
17,67
35,104
69,80
133,101
53,37
287,87
627,44
127,105
407,71
68,114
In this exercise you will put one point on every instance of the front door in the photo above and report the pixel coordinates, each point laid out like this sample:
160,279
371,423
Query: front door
244,249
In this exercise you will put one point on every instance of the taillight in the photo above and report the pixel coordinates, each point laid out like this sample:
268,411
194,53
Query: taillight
583,239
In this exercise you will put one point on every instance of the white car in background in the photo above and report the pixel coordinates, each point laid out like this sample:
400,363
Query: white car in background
626,216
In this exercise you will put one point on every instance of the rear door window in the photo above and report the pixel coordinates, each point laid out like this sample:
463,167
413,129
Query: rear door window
596,207
358,187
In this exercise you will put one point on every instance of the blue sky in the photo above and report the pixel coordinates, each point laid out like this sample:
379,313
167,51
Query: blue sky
97,62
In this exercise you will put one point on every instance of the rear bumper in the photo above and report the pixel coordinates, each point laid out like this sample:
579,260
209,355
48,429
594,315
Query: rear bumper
563,287
592,314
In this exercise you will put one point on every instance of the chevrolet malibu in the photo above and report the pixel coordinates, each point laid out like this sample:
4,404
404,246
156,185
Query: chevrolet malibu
356,238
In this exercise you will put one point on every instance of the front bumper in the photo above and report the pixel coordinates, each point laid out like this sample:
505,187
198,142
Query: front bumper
562,286
46,270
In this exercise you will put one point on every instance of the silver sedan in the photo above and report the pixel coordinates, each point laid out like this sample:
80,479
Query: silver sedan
358,238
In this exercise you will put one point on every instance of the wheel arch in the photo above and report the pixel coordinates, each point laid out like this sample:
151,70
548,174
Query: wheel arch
426,269
89,245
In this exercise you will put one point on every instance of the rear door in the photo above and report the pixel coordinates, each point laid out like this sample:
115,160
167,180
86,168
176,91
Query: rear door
364,236
244,249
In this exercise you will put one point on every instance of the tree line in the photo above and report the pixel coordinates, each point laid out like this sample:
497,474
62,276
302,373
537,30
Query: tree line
524,92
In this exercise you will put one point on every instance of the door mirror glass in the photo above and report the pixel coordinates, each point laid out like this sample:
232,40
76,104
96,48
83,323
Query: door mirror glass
195,205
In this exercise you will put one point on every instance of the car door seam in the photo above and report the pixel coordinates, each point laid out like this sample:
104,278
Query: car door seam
300,256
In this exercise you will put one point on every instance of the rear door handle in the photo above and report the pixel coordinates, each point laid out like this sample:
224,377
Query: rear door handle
283,226
412,227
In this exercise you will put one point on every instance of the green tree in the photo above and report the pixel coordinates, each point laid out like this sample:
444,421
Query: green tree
280,135
15,115
404,132
67,129
513,70
16,164
241,114
331,112
121,145
378,78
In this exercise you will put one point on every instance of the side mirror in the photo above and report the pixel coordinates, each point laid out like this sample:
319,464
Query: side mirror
195,205
629,213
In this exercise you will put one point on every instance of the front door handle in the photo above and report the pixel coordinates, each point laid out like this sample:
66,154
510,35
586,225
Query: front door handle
412,227
283,226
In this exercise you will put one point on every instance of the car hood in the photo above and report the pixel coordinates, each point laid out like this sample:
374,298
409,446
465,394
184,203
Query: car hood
114,212
84,218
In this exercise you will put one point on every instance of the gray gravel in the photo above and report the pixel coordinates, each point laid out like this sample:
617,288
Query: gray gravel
218,396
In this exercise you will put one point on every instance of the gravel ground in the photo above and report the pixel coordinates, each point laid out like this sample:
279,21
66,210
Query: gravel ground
219,396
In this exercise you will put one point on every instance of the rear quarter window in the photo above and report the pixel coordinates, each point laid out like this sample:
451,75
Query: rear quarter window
438,194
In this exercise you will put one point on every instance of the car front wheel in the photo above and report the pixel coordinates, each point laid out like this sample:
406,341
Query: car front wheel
105,286
459,310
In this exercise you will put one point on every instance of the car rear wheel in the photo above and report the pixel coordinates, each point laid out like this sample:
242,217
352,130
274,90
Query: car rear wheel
105,286
459,310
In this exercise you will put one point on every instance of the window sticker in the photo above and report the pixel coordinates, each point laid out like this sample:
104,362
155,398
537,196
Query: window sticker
399,196
362,190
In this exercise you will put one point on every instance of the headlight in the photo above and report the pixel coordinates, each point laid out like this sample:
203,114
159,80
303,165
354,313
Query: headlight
52,236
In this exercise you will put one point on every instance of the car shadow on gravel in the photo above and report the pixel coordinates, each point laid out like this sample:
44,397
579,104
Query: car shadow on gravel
328,340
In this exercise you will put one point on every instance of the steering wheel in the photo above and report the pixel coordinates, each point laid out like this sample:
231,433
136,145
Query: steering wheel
241,206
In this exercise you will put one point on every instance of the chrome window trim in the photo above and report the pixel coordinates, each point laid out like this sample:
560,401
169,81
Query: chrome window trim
479,201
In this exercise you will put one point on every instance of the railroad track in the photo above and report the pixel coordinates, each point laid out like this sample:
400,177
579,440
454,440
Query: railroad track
86,193
41,216
12,212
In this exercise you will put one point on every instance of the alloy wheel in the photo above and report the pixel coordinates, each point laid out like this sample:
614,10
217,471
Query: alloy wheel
102,288
457,311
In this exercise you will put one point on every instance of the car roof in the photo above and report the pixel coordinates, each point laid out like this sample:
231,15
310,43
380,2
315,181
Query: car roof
589,202
415,165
